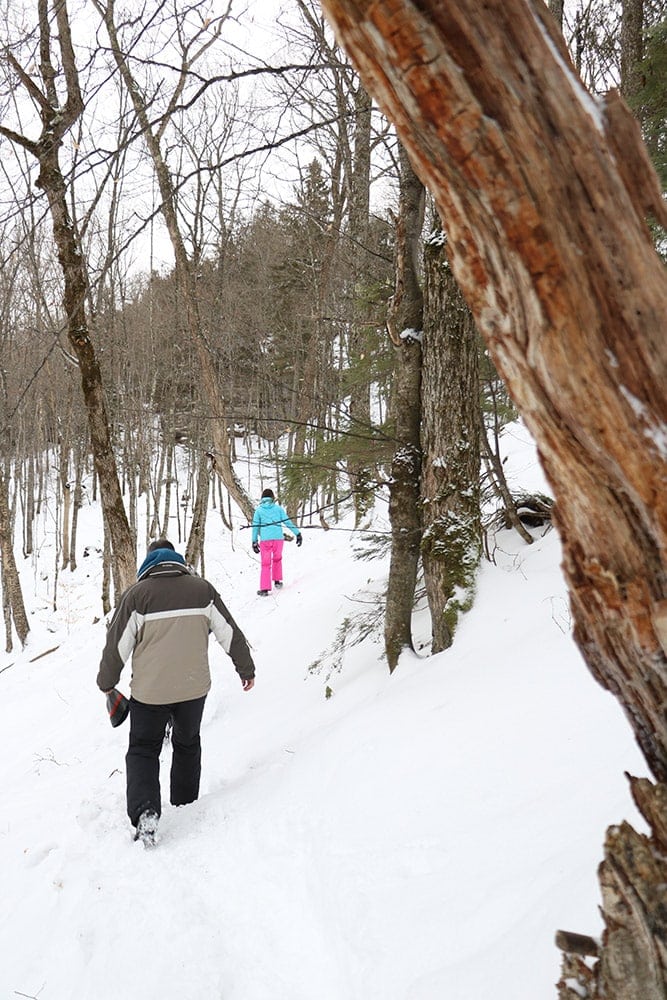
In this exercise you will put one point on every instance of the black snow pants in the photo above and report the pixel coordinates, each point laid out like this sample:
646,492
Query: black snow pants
147,729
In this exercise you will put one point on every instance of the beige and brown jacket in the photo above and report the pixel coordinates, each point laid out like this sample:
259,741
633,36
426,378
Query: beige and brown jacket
163,621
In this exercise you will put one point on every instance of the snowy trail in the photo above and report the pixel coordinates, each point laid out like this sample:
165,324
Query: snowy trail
411,838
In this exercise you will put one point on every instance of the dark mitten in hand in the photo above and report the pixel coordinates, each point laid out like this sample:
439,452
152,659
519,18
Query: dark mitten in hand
255,547
299,539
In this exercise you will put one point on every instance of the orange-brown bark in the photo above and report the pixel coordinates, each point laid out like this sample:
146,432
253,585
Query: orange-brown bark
545,194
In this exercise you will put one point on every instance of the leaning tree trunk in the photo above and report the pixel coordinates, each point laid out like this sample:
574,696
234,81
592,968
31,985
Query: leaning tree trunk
58,115
452,534
546,195
404,324
75,282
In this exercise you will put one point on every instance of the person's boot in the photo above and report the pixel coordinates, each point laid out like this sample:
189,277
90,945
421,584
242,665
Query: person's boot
146,830
263,593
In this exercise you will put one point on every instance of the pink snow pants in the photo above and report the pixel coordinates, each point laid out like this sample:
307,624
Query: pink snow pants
271,554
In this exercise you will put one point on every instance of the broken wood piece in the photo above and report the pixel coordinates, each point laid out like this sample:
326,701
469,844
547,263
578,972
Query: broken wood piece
577,944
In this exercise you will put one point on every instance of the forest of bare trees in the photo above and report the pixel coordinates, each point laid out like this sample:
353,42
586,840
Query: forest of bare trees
225,228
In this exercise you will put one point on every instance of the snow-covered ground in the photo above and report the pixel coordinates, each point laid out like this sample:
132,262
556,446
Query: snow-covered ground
413,837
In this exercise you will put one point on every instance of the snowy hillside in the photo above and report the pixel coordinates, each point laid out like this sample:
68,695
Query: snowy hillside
414,837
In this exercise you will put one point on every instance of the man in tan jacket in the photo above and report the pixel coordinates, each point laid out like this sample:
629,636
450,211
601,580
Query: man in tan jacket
163,621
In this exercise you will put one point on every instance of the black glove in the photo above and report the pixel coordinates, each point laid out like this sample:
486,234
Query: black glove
255,547
299,539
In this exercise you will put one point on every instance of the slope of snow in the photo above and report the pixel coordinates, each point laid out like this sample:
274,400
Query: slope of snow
411,837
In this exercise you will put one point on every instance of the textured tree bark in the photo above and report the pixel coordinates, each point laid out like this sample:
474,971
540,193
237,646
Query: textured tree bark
633,877
632,47
67,500
556,8
546,195
404,324
195,547
12,595
362,330
451,543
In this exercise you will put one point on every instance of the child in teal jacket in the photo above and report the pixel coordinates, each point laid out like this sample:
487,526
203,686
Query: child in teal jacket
268,522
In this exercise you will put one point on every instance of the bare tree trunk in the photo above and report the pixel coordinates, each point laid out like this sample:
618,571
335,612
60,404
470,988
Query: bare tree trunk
106,573
546,196
632,47
77,499
404,324
57,119
183,266
502,490
165,532
130,472
6,610
65,487
362,329
12,594
195,547
30,505
451,543
156,494
556,8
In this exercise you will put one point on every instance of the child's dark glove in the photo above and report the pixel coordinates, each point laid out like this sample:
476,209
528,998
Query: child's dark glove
255,548
299,539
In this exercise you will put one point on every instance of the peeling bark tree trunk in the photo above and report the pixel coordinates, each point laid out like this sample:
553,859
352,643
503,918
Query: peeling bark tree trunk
546,196
452,534
633,958
404,324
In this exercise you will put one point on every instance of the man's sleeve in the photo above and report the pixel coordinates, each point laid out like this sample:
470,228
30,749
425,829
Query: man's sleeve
121,639
231,638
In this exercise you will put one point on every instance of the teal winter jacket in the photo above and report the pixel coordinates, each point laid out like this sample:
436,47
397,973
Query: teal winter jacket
269,520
